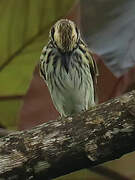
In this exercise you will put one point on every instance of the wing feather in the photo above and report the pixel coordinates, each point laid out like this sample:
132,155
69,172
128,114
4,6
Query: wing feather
92,65
42,63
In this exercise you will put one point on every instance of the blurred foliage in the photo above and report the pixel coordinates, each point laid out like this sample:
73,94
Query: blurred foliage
9,113
24,32
82,175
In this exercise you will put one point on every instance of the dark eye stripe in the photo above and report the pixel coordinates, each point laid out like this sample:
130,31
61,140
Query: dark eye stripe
52,33
77,31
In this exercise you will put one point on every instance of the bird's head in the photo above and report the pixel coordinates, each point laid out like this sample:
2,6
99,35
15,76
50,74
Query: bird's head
65,35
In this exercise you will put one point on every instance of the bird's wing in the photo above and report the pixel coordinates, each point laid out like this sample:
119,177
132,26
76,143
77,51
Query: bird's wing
91,61
94,73
42,64
92,65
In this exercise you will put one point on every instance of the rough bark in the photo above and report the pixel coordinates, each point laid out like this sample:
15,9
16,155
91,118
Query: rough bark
61,146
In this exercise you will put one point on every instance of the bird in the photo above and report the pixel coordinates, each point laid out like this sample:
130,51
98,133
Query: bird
69,69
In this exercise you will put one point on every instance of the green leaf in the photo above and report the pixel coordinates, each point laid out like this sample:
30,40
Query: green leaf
9,113
24,31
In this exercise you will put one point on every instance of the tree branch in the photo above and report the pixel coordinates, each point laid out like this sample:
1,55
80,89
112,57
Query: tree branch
58,147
